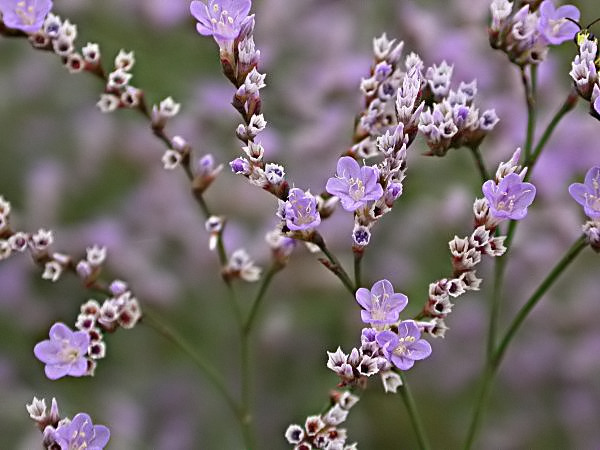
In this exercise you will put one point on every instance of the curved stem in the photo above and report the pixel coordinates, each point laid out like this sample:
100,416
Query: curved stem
529,86
335,265
266,281
480,163
481,403
413,413
564,262
567,106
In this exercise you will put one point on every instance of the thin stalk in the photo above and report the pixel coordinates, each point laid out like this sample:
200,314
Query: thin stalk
266,281
567,106
413,414
529,86
336,267
480,163
358,256
564,262
481,403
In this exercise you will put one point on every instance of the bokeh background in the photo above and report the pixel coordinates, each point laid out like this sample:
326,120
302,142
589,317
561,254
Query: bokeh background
95,178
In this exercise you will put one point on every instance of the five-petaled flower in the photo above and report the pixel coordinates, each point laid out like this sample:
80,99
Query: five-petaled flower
406,347
381,305
510,198
301,211
64,353
81,433
587,194
354,185
221,19
25,15
554,26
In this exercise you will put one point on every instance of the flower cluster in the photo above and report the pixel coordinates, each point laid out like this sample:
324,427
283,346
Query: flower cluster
587,194
584,71
66,433
322,431
505,197
390,341
525,35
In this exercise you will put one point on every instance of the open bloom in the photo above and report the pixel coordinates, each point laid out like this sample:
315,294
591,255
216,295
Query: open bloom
25,15
510,198
587,194
221,19
64,353
81,433
381,305
354,185
301,210
552,24
406,347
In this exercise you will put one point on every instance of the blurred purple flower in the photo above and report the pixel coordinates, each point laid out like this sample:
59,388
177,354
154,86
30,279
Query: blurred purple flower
406,347
510,198
381,305
25,15
587,194
221,19
354,185
64,353
301,210
552,24
81,433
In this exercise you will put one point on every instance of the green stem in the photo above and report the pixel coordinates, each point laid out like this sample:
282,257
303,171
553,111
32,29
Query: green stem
567,259
567,106
413,413
266,281
529,86
480,163
358,255
336,267
481,403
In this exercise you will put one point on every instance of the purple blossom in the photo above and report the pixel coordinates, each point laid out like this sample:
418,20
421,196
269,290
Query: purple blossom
406,347
354,185
222,19
510,198
553,26
587,194
81,433
25,15
64,353
381,305
301,210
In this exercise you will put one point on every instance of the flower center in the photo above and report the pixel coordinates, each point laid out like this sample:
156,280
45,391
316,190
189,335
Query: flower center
402,347
357,189
25,12
221,17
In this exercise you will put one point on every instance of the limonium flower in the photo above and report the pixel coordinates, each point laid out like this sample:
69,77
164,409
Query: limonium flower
301,210
509,198
221,19
64,353
406,347
81,433
25,15
381,305
587,194
354,185
553,26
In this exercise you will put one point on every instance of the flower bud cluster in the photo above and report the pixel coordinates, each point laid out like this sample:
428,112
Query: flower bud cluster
391,96
525,35
322,431
584,72
241,266
281,246
452,120
78,432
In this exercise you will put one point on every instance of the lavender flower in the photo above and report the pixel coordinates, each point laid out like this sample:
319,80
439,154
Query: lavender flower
406,347
354,185
587,194
381,305
553,26
64,353
25,15
510,198
301,210
81,433
221,19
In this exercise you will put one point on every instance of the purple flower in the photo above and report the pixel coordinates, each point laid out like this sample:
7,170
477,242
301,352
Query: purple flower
587,194
381,305
301,210
221,19
553,26
64,353
81,433
25,15
354,185
510,198
406,347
